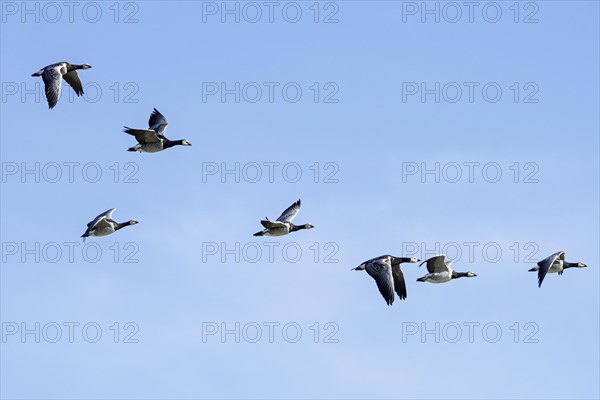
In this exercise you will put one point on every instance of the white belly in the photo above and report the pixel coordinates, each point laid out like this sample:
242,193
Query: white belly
277,232
556,267
152,147
440,277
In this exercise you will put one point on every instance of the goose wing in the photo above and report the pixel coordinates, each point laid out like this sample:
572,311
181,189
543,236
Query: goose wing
290,213
105,214
143,136
53,83
545,265
272,224
382,273
436,264
73,80
157,122
101,221
399,284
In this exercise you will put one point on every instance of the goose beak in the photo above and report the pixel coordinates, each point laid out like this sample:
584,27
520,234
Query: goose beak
359,268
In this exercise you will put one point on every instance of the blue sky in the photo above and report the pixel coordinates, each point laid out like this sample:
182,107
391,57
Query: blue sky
362,134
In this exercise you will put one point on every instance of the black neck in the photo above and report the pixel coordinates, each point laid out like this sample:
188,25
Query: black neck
120,225
456,275
170,143
569,265
294,228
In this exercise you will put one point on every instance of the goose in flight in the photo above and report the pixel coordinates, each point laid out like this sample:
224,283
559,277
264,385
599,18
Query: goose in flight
388,275
440,271
153,139
103,225
554,263
283,225
53,76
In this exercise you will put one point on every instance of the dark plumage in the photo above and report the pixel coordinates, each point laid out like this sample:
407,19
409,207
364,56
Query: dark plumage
283,225
554,263
53,75
104,225
153,140
388,275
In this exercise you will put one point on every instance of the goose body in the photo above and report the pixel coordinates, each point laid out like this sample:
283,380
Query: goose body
153,140
386,272
440,271
552,264
283,225
53,75
104,225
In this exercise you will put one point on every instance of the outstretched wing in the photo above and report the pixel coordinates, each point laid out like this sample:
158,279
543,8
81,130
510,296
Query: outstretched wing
157,122
101,221
399,284
272,224
436,264
143,136
53,83
73,80
545,265
382,273
290,213
105,214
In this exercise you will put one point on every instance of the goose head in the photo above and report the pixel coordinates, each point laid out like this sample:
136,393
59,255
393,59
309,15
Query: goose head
132,222
581,265
184,142
398,260
470,274
86,66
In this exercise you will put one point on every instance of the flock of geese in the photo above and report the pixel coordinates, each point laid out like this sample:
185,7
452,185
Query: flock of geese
385,270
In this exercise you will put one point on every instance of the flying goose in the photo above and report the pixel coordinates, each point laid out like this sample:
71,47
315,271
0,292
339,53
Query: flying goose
388,275
103,225
53,76
153,139
554,263
440,272
283,225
